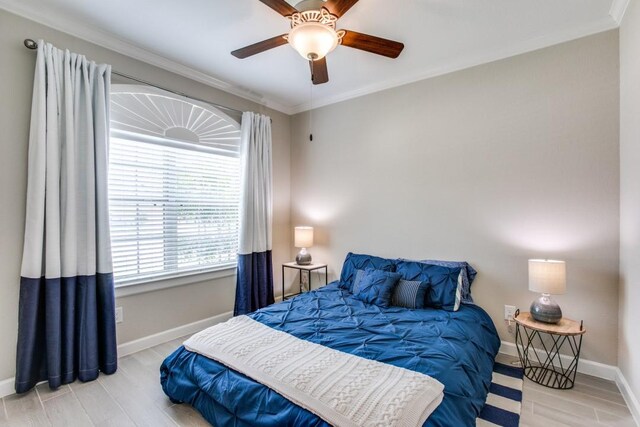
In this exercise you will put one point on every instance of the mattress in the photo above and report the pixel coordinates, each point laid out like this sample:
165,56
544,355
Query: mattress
456,348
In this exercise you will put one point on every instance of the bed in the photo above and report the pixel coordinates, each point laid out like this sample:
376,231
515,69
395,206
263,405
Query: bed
457,348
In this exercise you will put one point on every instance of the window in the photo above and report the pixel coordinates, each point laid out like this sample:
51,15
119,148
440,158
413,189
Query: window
174,185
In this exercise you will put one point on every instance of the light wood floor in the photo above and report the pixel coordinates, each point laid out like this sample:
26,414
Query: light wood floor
133,397
591,402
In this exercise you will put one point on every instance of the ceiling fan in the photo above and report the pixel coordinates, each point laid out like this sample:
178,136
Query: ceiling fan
313,34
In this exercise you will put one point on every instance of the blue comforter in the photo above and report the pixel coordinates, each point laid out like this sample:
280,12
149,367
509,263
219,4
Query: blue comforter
456,348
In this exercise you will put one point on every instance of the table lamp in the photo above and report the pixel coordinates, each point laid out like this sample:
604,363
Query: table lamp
548,277
303,237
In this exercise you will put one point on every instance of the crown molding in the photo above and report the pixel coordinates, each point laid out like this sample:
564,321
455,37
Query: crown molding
93,35
109,41
618,8
480,58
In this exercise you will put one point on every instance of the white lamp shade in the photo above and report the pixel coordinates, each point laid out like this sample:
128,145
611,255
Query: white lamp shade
303,237
547,276
313,40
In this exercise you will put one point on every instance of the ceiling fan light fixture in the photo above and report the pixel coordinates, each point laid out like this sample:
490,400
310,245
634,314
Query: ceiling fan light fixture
313,34
313,40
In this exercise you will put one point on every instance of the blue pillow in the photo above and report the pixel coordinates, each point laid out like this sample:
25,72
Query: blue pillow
409,294
468,276
376,287
355,262
444,282
357,278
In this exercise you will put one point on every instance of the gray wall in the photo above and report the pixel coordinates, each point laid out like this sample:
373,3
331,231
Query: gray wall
494,165
148,313
629,345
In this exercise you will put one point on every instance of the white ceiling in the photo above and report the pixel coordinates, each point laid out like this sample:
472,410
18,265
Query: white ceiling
440,36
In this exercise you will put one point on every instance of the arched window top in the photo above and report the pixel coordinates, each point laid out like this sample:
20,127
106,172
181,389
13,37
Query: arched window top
147,111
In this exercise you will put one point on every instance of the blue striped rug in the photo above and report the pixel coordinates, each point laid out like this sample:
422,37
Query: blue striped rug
505,398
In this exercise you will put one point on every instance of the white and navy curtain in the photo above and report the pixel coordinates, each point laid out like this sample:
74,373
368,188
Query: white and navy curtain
254,287
66,316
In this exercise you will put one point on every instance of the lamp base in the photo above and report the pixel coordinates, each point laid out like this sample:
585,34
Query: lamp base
303,257
545,309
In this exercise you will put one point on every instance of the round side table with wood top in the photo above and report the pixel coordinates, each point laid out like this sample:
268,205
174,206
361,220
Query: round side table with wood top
549,353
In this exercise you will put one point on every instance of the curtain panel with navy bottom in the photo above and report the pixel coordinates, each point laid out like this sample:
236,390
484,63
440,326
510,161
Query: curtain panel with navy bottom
66,327
254,287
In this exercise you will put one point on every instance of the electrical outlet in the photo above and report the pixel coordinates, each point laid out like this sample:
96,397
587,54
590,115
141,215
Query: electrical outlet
119,315
509,312
304,275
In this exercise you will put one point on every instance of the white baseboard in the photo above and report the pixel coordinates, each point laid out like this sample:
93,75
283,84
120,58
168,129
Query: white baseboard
7,387
170,334
629,397
588,367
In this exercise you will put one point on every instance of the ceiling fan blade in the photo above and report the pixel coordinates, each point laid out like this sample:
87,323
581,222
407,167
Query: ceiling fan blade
373,44
319,72
255,48
339,7
280,6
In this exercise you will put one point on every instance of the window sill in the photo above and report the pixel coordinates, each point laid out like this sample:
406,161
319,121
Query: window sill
171,282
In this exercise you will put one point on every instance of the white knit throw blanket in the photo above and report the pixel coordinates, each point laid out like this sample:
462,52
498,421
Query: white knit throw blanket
340,388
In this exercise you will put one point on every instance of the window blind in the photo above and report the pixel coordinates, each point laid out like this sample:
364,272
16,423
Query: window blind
172,210
174,185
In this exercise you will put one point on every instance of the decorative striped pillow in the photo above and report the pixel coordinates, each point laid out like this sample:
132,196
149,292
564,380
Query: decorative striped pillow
409,294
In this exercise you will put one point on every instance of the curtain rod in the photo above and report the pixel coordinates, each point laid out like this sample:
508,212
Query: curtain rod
31,44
